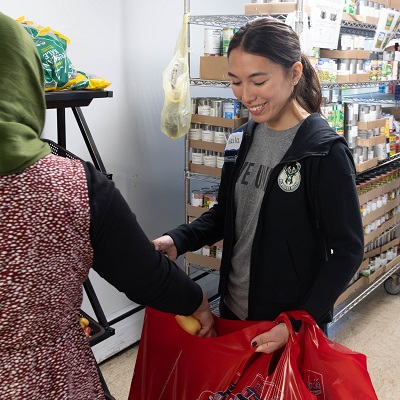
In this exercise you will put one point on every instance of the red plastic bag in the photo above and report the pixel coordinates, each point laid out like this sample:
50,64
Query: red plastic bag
331,371
174,365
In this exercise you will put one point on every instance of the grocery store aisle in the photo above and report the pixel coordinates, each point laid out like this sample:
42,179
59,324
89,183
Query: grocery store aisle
372,328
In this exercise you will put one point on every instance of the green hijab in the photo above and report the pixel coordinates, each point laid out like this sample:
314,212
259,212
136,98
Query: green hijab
22,102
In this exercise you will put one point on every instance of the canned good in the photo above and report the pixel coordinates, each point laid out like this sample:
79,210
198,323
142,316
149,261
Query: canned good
244,112
231,108
212,41
352,66
210,159
216,108
220,135
197,156
207,133
194,105
196,198
218,252
227,35
346,42
195,132
220,160
209,199
204,106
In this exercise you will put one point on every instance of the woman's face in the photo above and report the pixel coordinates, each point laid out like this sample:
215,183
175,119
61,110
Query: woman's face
264,87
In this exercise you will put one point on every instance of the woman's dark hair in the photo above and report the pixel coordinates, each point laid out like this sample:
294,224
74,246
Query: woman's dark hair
270,38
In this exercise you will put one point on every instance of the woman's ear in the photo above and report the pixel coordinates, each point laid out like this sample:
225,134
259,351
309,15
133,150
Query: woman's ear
297,70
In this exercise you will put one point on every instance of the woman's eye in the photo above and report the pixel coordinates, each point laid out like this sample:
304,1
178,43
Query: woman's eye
235,83
259,83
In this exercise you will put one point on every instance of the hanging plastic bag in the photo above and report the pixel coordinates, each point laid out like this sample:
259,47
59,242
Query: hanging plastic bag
176,113
331,371
174,365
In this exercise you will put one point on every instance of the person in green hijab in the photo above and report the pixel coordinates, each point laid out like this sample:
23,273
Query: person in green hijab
22,102
58,218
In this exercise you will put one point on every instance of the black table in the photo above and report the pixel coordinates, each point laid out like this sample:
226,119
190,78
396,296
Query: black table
75,99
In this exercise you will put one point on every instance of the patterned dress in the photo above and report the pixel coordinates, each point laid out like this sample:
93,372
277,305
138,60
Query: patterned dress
45,256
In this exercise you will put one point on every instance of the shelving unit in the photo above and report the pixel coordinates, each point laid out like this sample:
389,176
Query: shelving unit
364,286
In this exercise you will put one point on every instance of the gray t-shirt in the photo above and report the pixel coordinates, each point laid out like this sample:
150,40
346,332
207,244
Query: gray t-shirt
266,151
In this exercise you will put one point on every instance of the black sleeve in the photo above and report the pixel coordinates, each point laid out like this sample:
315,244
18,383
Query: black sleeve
341,221
127,259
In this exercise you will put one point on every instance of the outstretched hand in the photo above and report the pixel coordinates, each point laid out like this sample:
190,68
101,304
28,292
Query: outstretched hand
166,245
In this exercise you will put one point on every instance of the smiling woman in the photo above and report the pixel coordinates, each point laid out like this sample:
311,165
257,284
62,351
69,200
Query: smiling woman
287,207
272,77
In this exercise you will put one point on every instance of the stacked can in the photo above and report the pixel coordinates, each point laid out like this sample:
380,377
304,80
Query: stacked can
219,107
351,127
212,41
216,40
355,113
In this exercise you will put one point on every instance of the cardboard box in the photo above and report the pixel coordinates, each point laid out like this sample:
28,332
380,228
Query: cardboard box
351,289
391,264
200,144
367,165
193,211
358,54
362,77
374,193
203,169
214,68
378,123
372,141
372,216
217,121
373,253
383,2
203,261
361,18
392,243
269,8
395,4
373,277
349,78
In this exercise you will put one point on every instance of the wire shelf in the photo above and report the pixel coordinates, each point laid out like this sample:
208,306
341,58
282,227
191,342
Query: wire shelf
201,177
234,21
206,82
374,97
339,314
324,86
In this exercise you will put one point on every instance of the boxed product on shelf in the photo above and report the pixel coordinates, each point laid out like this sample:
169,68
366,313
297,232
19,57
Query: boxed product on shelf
371,141
378,123
204,261
205,170
233,123
214,68
367,165
201,144
354,286
395,4
360,18
273,8
356,54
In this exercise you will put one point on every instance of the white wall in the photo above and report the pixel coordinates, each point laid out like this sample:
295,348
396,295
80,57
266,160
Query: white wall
128,43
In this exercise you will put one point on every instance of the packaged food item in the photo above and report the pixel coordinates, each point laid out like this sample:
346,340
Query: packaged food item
59,73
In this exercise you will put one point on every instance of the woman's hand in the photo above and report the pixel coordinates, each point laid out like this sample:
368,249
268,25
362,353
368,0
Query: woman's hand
272,340
166,245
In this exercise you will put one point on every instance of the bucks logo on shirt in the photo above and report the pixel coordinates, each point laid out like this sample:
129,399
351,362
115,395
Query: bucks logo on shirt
289,179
